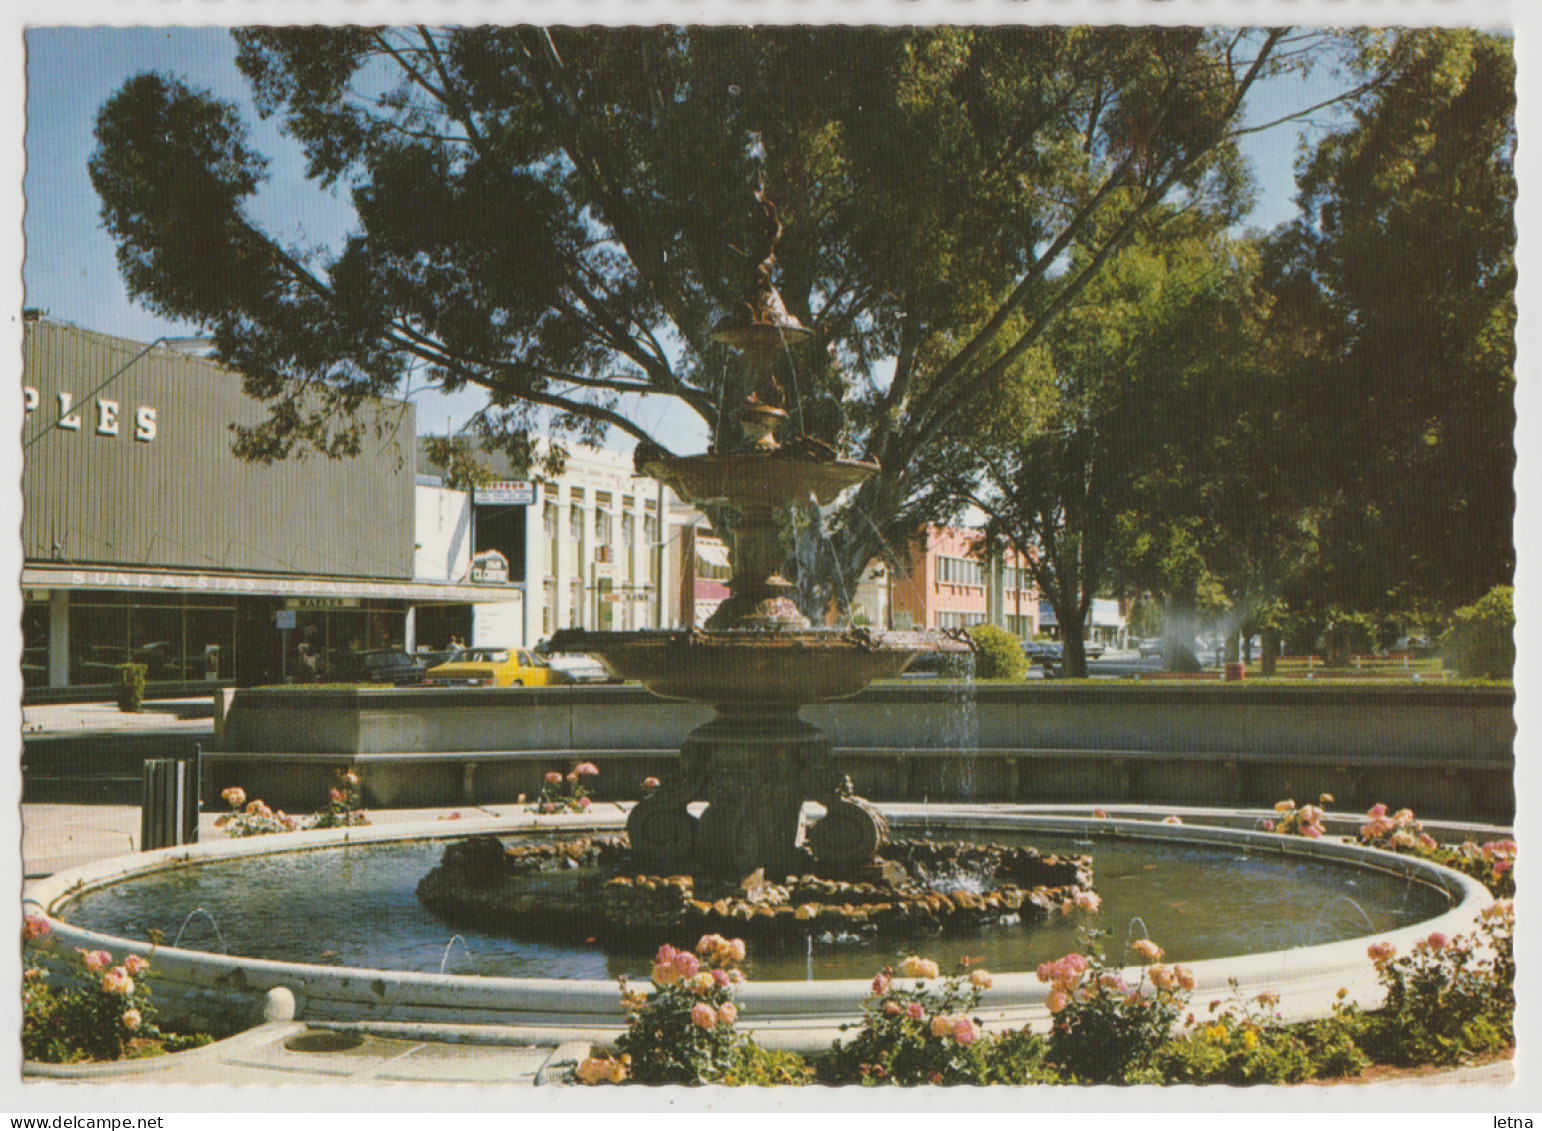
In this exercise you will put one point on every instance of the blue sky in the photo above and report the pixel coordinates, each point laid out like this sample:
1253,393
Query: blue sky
70,269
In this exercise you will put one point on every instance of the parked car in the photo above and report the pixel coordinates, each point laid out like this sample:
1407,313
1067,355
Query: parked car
1150,646
493,667
1092,649
376,665
574,668
1043,651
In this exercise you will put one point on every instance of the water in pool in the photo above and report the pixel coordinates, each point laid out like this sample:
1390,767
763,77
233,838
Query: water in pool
355,906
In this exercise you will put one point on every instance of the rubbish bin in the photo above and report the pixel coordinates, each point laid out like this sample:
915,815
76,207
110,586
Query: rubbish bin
168,803
1234,672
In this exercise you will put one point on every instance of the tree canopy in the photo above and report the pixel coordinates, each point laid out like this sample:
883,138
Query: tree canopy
557,215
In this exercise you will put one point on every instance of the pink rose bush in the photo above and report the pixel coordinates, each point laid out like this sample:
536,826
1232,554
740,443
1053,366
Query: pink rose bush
1305,821
256,818
85,1005
1450,997
1104,1029
1491,864
924,1032
566,793
683,1030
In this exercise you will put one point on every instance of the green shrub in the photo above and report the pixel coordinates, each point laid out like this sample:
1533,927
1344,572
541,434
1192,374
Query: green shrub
1480,644
1231,1050
131,686
998,654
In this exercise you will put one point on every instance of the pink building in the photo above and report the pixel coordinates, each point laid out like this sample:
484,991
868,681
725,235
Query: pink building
946,585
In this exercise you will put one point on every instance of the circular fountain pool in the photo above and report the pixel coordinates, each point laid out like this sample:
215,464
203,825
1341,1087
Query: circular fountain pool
334,918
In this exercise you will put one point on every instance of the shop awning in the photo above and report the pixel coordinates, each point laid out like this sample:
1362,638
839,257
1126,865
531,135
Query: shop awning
257,585
713,553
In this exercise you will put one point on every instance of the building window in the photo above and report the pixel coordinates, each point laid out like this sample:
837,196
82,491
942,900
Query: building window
549,607
553,546
576,535
576,603
628,544
651,542
961,571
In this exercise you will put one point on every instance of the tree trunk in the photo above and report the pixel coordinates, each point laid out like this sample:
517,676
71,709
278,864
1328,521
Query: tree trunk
1271,650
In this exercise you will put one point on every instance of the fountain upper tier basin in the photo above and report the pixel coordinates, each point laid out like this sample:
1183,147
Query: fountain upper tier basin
758,480
775,670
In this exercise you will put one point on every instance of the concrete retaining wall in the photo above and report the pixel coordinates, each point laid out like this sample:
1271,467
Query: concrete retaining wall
1440,750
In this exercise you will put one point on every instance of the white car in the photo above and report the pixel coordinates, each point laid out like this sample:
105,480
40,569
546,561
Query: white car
578,668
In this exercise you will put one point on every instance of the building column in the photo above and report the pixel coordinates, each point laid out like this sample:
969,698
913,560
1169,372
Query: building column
59,638
565,564
535,575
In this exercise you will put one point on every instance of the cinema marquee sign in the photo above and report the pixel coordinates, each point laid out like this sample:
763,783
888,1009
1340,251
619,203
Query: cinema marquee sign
107,416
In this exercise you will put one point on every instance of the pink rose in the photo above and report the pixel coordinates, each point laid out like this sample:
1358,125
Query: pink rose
135,965
548,807
350,779
586,769
964,1031
914,1011
1438,942
1377,810
650,783
584,803
1185,976
1058,999
720,977
703,1016
728,1013
97,960
1380,951
687,964
572,778
665,974
131,1019
117,981
1163,977
1268,826
1173,820
666,954
34,927
892,1008
337,796
980,980
1147,950
1312,832
881,984
553,778
736,951
1100,812
235,796
942,1026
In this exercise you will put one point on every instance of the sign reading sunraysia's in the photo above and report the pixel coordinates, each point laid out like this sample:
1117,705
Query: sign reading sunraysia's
508,492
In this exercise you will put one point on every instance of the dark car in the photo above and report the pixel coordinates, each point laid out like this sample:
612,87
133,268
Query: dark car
1044,652
377,665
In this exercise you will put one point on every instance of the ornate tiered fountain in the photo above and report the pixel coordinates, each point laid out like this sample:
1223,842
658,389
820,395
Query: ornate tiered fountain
758,659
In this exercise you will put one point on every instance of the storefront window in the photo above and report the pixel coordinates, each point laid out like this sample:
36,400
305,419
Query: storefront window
155,640
34,644
99,639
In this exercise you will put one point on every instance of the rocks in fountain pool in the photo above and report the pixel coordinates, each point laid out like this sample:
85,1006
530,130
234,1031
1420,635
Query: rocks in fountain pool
940,887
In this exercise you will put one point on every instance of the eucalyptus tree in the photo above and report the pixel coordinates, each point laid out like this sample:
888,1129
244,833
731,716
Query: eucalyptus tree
556,215
1396,291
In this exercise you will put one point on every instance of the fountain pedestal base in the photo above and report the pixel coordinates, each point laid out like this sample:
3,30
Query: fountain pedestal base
755,769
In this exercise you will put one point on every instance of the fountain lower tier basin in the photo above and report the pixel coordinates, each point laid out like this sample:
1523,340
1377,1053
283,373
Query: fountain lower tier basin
771,670
356,959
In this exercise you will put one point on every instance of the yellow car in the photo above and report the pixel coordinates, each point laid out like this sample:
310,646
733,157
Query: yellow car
493,667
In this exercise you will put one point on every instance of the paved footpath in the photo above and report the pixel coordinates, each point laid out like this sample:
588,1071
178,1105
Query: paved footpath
56,837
